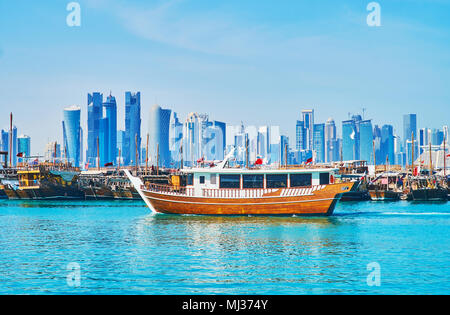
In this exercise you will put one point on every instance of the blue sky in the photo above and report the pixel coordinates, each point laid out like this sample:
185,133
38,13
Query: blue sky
260,62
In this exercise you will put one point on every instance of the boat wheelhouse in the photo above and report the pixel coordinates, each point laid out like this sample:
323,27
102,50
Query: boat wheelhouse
240,191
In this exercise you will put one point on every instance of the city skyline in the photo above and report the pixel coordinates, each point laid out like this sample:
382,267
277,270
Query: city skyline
260,58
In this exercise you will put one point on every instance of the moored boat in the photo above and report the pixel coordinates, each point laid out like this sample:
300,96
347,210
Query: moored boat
429,194
43,182
235,191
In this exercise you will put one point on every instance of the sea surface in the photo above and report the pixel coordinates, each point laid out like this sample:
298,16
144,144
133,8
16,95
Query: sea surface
89,247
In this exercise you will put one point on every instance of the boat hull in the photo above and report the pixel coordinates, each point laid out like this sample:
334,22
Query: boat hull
278,202
384,195
430,195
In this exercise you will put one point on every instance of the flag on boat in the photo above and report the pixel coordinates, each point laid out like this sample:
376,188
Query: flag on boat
20,154
448,155
86,166
259,161
416,171
308,161
109,164
201,160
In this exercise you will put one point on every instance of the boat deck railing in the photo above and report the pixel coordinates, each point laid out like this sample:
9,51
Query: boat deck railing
170,190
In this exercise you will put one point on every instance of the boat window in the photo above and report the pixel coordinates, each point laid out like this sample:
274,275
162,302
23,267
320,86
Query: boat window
253,181
190,180
301,180
213,179
202,179
324,178
276,180
230,181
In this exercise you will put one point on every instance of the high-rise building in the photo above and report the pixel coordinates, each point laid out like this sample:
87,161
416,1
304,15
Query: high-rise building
284,150
264,143
387,144
319,142
437,137
424,138
132,141
110,109
95,103
158,130
72,134
23,146
349,136
300,136
275,143
120,146
5,136
104,142
308,121
331,146
366,138
52,151
410,129
175,139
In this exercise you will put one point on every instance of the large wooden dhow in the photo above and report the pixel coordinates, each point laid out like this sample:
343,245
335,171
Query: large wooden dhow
236,191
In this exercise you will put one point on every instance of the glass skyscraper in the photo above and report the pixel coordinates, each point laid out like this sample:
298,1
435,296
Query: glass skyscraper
387,144
132,127
72,134
158,130
331,146
409,129
95,103
366,141
349,136
24,146
319,142
110,107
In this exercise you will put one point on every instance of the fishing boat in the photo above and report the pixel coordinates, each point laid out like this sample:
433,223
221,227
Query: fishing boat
385,187
44,182
244,191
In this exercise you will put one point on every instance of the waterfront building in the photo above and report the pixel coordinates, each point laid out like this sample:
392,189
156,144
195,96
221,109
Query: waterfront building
275,140
72,134
437,137
252,136
132,127
331,148
308,120
319,142
409,129
104,141
52,151
120,146
366,137
175,139
193,138
94,112
284,150
5,139
158,130
387,144
424,137
349,143
24,146
213,143
300,136
263,143
110,113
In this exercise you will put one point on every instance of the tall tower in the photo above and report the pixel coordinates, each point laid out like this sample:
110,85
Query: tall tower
95,101
158,130
71,131
132,127
110,108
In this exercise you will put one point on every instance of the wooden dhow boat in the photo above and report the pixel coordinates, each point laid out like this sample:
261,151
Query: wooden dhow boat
241,191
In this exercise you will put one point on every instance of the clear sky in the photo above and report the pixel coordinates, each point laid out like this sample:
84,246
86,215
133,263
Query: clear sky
256,61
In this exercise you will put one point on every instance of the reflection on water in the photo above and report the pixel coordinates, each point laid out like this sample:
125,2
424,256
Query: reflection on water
123,249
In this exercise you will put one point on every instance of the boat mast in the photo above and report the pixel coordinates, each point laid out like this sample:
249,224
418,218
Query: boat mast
412,153
157,159
98,155
146,156
10,139
136,138
431,161
374,162
445,158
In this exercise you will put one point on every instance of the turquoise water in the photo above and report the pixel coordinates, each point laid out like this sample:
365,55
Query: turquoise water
121,249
